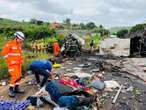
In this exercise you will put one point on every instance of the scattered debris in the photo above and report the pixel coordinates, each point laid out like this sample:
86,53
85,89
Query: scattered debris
92,59
111,84
3,83
130,89
115,98
125,71
57,66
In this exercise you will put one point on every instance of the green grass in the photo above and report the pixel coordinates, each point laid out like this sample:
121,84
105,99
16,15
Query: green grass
96,40
3,69
2,42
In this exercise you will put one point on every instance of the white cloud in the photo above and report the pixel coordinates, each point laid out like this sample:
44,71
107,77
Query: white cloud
106,12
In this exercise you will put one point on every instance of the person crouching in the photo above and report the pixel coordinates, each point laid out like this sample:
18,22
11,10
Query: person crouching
41,68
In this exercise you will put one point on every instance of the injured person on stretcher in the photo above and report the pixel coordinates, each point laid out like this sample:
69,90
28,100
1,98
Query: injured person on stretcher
69,92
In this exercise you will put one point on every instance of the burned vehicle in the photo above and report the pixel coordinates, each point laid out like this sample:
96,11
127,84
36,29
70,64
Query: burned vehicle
134,44
138,43
72,45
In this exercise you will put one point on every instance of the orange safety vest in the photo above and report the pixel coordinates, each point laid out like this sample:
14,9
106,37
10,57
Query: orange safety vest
56,48
12,52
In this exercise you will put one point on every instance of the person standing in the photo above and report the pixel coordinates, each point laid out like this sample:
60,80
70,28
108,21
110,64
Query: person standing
91,46
56,49
12,52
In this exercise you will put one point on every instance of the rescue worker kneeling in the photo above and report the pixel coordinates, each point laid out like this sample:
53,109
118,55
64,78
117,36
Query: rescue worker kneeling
12,52
43,68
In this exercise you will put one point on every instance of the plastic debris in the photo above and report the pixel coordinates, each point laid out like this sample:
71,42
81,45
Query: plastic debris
60,108
81,65
111,84
116,97
92,59
4,83
95,70
131,88
57,66
81,75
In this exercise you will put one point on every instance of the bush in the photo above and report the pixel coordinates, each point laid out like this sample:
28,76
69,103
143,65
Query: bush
3,68
122,33
96,38
32,31
137,28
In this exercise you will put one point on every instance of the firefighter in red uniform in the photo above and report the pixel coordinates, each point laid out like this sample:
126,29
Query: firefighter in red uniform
12,53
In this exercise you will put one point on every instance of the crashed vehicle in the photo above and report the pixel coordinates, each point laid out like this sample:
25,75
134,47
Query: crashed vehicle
72,46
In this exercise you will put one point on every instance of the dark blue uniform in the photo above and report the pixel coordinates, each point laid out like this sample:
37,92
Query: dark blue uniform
41,67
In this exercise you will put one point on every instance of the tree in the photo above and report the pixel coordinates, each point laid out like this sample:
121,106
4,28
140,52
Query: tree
39,22
137,28
33,21
83,26
101,27
75,26
90,25
102,30
122,33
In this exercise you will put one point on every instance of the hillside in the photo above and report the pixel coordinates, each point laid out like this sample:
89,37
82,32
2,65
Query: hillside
4,21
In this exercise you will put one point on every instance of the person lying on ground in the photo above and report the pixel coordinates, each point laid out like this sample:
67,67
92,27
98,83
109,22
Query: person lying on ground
54,91
69,90
41,68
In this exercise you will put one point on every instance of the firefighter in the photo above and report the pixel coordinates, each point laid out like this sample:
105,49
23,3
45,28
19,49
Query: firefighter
12,53
56,48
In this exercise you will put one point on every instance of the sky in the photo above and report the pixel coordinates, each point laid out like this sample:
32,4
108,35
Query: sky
109,13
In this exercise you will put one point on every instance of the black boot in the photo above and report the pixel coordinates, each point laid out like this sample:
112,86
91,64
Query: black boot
18,90
11,92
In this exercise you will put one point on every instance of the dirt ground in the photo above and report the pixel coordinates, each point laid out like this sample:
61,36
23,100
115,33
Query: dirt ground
128,100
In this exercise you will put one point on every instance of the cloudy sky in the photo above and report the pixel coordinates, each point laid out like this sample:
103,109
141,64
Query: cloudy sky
107,12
